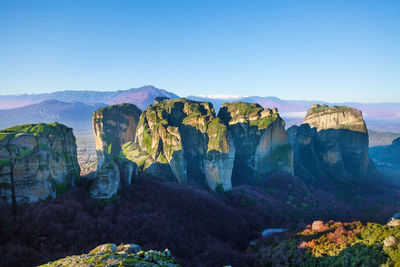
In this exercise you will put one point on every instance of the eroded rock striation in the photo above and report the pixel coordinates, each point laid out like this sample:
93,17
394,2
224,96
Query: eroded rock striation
36,160
122,255
332,143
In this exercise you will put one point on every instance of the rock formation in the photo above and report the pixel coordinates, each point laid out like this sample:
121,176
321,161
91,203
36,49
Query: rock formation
332,143
185,141
171,140
122,255
260,139
113,126
36,160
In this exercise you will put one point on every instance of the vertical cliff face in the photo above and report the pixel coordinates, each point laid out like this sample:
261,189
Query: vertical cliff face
260,139
338,144
315,159
220,156
36,160
114,126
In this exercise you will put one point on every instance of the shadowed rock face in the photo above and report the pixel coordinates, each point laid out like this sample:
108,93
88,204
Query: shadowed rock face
113,126
35,159
314,159
260,140
332,143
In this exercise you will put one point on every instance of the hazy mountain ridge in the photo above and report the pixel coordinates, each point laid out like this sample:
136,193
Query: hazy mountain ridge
141,97
74,114
383,117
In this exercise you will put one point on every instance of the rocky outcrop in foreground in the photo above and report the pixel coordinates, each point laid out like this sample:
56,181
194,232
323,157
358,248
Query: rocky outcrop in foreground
122,255
332,143
36,161
184,141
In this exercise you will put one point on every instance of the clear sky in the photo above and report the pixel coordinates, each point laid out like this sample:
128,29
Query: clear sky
328,50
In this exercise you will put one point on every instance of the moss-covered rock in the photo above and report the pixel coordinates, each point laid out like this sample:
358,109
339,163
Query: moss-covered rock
36,160
129,255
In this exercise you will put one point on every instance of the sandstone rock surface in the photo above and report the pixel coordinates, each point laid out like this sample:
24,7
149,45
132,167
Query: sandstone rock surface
36,160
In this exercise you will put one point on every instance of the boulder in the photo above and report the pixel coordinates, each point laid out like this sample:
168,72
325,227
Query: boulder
390,241
317,226
36,161
128,248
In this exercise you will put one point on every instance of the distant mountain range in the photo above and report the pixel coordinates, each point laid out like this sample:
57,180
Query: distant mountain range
77,115
383,117
141,97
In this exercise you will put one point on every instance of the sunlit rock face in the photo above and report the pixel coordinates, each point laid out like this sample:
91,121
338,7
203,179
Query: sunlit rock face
113,126
332,143
35,160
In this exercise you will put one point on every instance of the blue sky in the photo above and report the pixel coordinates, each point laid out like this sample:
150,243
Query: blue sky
327,50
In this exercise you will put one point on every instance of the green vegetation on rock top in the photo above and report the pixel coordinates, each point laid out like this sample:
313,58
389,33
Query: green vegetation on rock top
34,129
249,113
325,108
117,106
